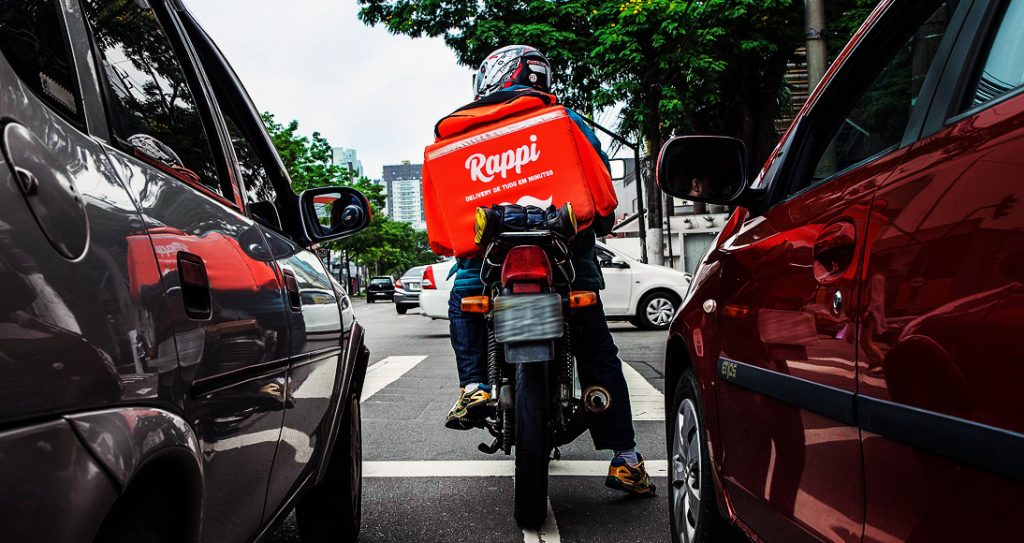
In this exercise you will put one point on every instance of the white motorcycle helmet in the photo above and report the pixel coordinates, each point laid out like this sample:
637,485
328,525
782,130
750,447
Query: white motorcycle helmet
513,65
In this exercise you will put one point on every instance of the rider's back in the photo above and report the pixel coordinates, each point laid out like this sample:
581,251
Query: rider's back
553,157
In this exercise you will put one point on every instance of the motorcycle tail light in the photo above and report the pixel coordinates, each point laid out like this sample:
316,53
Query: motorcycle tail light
428,279
526,263
582,298
476,304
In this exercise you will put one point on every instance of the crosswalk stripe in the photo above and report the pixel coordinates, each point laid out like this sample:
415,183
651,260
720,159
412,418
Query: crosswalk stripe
493,468
647,402
547,533
387,371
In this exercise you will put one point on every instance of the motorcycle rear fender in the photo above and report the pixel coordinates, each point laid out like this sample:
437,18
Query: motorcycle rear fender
529,352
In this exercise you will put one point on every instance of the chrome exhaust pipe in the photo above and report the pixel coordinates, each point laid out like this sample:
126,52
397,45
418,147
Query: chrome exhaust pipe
596,399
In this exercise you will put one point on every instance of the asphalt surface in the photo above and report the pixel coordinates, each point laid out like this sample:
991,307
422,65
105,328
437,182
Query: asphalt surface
424,483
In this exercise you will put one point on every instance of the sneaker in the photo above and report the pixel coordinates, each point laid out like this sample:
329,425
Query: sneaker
632,480
464,415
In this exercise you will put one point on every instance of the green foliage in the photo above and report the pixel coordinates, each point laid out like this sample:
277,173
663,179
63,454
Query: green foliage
844,18
385,246
677,65
388,247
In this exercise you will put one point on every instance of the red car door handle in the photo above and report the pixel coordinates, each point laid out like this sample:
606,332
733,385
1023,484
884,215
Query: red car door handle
833,251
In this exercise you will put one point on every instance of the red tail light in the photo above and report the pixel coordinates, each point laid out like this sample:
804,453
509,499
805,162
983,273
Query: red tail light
526,263
398,283
428,278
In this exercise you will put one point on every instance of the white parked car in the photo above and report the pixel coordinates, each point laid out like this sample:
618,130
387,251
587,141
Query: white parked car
436,289
643,294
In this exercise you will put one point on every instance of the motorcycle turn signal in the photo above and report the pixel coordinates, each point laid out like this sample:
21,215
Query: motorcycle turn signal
476,304
582,298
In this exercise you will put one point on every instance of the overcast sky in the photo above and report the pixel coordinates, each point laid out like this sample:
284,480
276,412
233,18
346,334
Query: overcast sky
361,87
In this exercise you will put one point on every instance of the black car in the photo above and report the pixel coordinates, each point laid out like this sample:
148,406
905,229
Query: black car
380,288
177,364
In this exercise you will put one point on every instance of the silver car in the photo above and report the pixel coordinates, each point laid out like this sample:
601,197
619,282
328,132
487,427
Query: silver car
177,363
407,289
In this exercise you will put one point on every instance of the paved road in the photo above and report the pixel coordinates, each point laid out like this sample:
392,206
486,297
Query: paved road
424,483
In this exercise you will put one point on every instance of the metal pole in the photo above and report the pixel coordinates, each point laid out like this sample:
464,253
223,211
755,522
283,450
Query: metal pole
814,25
637,168
642,222
348,274
669,205
817,63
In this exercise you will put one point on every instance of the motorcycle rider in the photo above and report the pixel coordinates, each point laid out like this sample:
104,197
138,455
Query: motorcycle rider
515,69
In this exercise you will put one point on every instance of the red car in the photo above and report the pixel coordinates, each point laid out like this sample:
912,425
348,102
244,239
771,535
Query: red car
848,364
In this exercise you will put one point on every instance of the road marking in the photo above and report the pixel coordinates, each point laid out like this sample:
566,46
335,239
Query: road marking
494,468
387,371
547,533
647,403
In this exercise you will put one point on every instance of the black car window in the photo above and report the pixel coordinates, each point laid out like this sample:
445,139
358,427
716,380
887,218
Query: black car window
380,282
255,181
879,117
1003,69
34,42
148,94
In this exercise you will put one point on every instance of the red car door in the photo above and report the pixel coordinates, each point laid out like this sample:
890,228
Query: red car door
943,315
788,310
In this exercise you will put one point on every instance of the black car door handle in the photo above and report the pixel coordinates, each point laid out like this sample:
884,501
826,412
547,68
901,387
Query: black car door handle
195,286
292,286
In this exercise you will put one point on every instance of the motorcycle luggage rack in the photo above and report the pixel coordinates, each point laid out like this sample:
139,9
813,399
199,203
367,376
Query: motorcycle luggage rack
554,246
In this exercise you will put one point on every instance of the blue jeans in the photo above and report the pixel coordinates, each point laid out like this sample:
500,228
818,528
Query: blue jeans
597,363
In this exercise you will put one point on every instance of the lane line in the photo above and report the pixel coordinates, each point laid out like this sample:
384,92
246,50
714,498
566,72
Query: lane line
646,402
494,468
547,533
387,371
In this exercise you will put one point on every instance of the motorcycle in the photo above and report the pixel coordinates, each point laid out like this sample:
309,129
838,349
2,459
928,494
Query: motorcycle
534,407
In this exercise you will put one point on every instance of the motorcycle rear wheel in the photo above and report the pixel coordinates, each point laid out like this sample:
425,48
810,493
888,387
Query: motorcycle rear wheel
533,444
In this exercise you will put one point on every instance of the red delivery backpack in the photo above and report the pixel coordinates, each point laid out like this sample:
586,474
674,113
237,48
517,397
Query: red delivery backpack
514,147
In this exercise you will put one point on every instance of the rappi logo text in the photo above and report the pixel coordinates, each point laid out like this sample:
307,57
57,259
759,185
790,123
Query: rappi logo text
484,168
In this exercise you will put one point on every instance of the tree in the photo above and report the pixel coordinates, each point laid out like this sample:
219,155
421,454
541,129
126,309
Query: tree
385,246
713,66
309,164
389,247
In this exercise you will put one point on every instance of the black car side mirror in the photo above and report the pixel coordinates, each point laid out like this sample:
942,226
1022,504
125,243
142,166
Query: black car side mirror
618,262
709,169
330,213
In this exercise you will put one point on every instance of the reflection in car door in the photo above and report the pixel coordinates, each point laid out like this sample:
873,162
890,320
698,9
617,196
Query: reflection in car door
316,336
789,304
75,331
786,344
317,340
942,356
227,305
